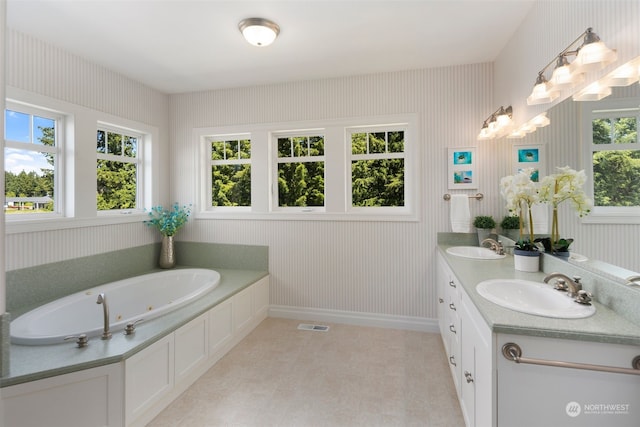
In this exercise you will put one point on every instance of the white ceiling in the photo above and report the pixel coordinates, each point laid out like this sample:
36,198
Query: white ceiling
193,45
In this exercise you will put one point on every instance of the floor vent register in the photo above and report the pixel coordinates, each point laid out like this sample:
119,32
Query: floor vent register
307,327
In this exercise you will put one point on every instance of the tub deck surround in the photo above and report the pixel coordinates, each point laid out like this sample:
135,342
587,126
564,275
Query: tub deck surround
29,363
31,287
138,298
606,325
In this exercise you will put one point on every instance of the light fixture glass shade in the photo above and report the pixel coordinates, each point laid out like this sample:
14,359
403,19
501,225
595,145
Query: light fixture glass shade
540,121
258,31
543,92
594,92
564,76
484,134
626,74
517,134
593,56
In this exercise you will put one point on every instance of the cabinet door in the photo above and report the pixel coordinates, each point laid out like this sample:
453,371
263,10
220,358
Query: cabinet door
191,349
564,396
149,377
261,298
220,329
242,310
88,398
442,279
476,380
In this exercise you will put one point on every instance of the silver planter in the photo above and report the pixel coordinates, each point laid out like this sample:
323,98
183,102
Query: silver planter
167,253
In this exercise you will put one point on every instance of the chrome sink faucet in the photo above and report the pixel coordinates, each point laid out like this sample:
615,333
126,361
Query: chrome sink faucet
574,286
633,280
494,245
102,299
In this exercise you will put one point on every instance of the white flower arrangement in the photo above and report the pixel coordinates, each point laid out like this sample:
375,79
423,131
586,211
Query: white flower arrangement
521,193
567,184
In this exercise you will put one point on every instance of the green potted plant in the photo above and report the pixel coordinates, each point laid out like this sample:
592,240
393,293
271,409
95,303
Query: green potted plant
484,224
510,226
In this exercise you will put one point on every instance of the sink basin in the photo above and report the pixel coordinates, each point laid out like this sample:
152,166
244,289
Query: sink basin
533,298
474,252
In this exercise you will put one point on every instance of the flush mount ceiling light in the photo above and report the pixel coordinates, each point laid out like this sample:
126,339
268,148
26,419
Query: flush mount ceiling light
259,31
590,55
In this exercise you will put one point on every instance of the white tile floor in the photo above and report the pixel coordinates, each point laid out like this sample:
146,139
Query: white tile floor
348,376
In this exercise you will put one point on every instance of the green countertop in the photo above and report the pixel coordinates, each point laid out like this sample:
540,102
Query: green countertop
606,325
29,363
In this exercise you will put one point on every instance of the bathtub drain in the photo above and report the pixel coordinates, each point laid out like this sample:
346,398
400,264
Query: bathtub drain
307,327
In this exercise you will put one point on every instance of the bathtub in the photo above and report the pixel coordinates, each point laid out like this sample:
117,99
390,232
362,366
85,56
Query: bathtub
141,297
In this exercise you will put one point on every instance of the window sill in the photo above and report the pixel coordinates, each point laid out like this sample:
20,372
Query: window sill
47,224
308,216
612,217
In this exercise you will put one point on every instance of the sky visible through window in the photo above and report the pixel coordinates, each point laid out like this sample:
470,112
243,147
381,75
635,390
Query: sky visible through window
17,129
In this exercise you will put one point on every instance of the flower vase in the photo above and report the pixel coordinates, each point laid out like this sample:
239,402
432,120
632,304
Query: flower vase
167,254
528,261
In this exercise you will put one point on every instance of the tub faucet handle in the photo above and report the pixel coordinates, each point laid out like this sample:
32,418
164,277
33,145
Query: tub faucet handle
81,340
130,329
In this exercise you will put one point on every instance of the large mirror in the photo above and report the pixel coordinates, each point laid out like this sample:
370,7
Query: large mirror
567,123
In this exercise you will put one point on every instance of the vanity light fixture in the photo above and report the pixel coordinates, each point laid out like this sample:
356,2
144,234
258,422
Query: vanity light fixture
497,124
259,31
539,121
594,92
591,54
624,75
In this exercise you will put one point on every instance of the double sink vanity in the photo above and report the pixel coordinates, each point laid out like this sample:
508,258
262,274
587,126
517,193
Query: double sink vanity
523,353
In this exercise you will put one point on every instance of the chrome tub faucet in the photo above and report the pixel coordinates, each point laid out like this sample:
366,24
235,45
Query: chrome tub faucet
102,299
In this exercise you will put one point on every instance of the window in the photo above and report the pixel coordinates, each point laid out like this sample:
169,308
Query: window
230,171
614,152
117,169
300,170
377,167
32,161
345,170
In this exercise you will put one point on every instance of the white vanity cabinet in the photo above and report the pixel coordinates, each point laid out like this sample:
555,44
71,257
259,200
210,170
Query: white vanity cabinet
468,342
545,388
533,395
448,319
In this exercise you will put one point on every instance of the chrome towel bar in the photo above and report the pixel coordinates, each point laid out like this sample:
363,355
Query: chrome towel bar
513,352
478,196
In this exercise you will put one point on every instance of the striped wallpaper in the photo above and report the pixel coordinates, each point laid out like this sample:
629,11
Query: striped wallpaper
35,66
384,268
373,267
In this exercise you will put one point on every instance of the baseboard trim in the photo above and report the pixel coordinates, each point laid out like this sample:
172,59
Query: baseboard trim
421,324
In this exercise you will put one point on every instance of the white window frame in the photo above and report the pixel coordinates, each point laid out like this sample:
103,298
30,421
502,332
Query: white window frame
57,150
337,171
275,161
77,181
378,156
207,140
138,161
607,109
